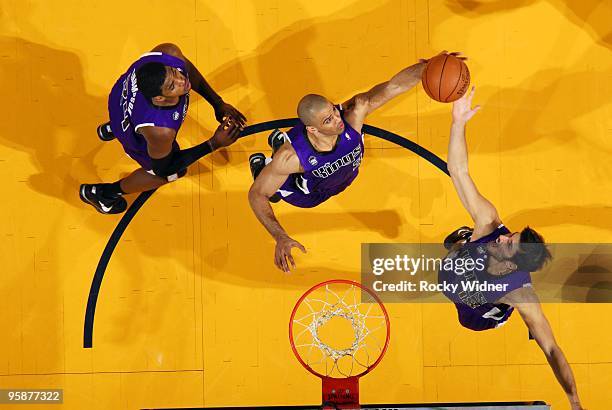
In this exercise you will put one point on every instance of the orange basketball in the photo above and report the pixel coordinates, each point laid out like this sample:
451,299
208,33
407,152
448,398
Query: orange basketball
445,78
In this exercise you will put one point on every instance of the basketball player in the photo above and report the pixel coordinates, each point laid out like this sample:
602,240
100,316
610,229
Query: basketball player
508,258
318,158
147,107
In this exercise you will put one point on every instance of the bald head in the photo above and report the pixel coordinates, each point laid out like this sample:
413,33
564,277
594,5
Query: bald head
309,106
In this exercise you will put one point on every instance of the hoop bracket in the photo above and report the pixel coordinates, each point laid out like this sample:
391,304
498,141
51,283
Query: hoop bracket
340,393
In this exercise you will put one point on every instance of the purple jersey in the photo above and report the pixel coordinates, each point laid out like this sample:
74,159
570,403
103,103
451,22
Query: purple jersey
477,310
129,110
325,173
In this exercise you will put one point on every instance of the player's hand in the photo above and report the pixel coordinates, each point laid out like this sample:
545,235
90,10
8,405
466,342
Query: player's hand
282,253
457,54
462,108
226,134
225,110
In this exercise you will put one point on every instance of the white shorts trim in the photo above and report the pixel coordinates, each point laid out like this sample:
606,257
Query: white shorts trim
284,193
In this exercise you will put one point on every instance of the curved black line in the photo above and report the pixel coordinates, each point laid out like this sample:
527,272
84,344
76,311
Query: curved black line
143,197
409,145
103,263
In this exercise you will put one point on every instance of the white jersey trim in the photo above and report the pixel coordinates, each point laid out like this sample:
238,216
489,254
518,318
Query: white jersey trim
144,124
152,53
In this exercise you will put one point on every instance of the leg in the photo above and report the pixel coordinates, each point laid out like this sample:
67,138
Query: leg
108,198
140,181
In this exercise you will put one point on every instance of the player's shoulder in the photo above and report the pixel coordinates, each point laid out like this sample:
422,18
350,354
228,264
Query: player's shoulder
286,159
487,228
157,134
170,49
286,153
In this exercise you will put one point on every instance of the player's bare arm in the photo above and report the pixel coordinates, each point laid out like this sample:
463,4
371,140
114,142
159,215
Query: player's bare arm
201,86
363,104
481,210
526,302
159,140
271,178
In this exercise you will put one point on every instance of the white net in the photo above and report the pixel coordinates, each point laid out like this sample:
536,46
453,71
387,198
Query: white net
339,330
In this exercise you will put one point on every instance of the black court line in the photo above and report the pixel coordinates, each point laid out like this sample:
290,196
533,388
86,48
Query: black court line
96,283
103,263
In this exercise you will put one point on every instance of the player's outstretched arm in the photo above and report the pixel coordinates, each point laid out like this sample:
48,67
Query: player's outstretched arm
361,105
526,302
201,86
480,209
267,183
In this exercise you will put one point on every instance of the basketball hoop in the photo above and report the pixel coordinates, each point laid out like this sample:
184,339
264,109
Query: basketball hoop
342,333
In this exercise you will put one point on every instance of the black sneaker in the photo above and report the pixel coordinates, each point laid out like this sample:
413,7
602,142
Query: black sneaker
91,194
105,133
460,234
276,139
257,162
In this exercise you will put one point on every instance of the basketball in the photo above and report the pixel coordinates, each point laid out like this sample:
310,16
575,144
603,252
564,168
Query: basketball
445,78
